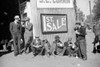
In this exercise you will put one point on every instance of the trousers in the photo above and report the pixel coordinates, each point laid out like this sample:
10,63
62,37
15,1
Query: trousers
17,42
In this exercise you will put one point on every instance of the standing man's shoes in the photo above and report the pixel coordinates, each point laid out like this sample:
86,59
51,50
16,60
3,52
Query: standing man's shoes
26,52
84,58
15,54
35,54
94,52
20,52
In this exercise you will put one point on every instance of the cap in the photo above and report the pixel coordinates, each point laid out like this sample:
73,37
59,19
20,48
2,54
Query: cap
27,19
23,20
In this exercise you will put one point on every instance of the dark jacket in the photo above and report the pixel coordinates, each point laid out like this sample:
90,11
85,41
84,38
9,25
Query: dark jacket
15,28
82,31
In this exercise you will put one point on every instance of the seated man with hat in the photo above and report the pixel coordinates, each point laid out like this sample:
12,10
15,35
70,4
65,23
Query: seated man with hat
71,49
57,46
37,46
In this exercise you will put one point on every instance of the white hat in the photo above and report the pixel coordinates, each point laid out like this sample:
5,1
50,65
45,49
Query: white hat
16,17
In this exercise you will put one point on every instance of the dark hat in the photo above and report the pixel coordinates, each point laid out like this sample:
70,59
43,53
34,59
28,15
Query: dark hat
36,36
57,37
77,23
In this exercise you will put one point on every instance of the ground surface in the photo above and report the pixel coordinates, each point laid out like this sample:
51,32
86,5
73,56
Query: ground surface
9,60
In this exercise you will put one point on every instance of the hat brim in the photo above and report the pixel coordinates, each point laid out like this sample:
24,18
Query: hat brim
17,18
78,23
36,37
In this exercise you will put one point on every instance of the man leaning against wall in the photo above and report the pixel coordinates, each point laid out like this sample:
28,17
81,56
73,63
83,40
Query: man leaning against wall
28,35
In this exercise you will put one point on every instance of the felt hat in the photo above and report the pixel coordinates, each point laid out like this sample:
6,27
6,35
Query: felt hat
57,37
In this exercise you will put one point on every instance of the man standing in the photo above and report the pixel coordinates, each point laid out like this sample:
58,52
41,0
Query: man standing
28,35
81,32
15,29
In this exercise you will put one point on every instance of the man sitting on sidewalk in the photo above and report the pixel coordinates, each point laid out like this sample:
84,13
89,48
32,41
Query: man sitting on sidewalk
37,46
58,46
71,49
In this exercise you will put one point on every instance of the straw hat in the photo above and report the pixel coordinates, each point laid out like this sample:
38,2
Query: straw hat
17,17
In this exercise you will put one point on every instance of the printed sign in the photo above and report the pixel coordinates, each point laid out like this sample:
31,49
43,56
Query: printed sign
54,3
52,23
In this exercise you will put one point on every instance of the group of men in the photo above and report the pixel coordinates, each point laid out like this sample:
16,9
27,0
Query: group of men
68,48
22,33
